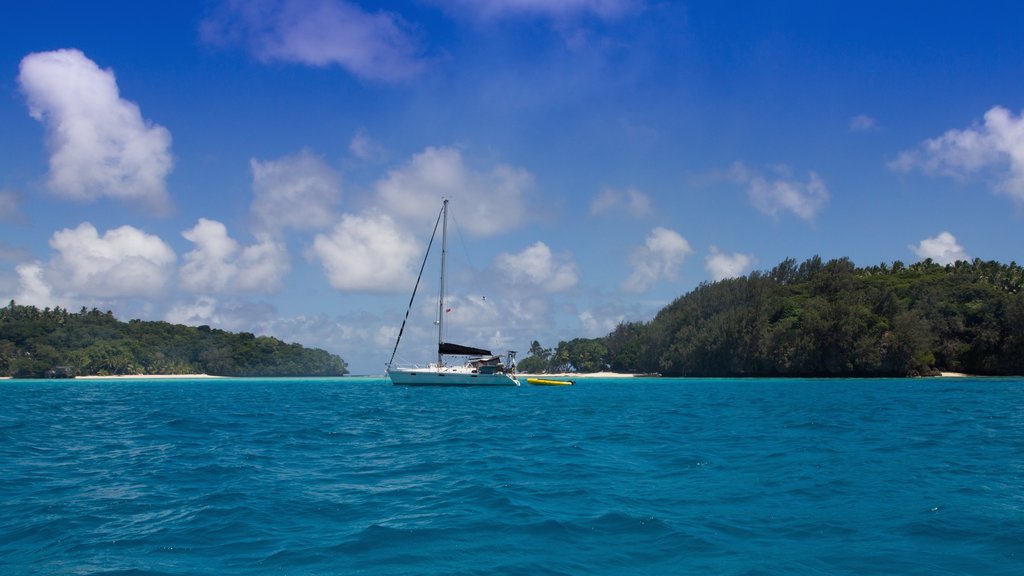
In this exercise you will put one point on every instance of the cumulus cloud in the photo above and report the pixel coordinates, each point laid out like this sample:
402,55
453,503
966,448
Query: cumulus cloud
803,199
486,202
297,192
942,249
557,9
863,123
100,144
219,264
123,262
659,258
721,266
33,289
537,266
997,143
376,45
367,253
632,201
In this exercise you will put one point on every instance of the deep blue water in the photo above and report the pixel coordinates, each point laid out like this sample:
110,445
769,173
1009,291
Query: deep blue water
606,477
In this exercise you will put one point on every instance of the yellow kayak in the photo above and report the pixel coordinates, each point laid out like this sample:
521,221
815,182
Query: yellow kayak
546,382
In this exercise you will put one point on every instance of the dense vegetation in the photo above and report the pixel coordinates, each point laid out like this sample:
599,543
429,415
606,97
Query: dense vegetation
821,319
54,342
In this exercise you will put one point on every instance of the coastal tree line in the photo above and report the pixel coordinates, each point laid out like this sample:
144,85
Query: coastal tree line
821,319
37,343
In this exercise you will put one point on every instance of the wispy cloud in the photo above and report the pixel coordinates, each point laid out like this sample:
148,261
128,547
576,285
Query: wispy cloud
557,9
376,45
9,202
99,142
365,148
610,200
863,123
297,192
943,249
772,197
997,143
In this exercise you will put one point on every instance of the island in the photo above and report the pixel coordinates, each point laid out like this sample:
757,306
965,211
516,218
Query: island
821,319
57,343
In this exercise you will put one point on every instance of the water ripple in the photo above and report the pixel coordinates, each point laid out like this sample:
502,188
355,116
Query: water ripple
633,477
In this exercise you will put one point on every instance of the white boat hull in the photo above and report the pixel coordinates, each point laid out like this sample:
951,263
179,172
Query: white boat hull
448,377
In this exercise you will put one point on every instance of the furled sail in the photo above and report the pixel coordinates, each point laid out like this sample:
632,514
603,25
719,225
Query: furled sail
460,350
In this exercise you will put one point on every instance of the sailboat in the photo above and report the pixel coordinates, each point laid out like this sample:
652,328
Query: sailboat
479,366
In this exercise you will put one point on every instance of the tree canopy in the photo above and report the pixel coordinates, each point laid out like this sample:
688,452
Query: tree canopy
36,343
823,319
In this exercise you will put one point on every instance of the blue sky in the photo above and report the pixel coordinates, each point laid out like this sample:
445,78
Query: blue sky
277,166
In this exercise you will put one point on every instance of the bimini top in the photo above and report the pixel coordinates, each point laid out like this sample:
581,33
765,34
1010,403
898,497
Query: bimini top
460,350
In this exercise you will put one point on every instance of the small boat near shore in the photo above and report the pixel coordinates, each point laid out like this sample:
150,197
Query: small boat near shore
547,382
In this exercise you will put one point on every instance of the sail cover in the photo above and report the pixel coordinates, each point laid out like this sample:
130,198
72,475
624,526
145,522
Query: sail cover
460,350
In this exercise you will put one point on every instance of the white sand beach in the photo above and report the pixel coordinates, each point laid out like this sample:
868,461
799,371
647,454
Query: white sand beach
149,377
579,375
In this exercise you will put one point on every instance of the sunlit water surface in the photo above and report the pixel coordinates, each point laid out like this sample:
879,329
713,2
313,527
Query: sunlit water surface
646,476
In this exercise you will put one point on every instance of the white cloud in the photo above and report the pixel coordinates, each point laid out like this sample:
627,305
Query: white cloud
942,249
201,311
771,197
557,9
863,123
632,201
33,288
86,267
721,266
100,145
124,261
537,266
298,192
998,143
367,253
485,203
220,264
595,326
659,258
372,45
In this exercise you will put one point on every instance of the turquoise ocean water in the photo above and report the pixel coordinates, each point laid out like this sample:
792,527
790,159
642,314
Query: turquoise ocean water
355,476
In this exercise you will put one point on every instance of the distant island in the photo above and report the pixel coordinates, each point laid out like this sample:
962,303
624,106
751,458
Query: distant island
57,343
821,319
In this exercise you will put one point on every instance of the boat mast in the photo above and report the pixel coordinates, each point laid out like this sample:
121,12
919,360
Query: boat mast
440,300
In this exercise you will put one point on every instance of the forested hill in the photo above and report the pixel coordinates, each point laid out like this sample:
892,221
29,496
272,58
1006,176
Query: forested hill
823,319
54,342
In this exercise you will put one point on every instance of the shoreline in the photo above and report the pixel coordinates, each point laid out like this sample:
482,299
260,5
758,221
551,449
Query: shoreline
584,375
568,375
608,375
150,377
